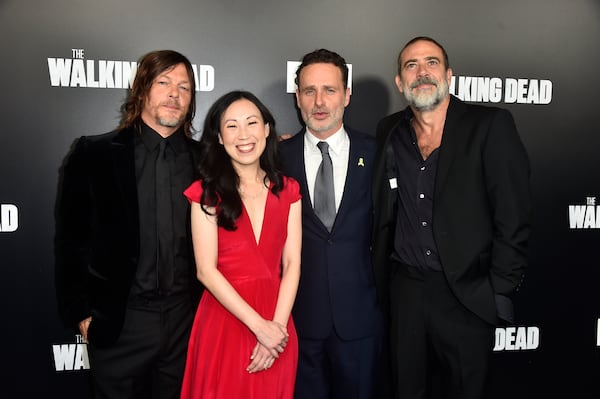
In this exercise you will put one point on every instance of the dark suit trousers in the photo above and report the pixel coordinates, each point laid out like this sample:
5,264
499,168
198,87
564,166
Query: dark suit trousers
148,359
439,349
336,369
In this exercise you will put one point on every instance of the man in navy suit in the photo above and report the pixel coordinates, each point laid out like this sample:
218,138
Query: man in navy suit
339,325
452,210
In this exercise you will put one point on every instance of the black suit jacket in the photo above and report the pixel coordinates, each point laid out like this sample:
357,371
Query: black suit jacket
337,286
97,233
481,207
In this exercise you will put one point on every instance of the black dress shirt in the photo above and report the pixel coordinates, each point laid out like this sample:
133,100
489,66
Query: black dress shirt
180,164
414,244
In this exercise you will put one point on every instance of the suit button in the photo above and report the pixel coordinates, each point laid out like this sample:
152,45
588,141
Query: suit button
330,241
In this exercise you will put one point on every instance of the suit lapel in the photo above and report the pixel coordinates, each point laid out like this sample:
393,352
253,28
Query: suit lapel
354,178
122,151
450,141
296,167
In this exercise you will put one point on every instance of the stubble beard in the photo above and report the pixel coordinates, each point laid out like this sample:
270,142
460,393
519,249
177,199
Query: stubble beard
318,126
169,122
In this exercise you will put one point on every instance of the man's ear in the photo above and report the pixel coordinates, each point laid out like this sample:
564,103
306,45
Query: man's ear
347,99
449,74
398,83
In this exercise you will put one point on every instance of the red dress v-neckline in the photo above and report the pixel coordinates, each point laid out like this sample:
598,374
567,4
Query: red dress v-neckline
249,221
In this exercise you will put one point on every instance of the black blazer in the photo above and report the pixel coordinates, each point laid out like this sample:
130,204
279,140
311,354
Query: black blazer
336,283
481,207
97,233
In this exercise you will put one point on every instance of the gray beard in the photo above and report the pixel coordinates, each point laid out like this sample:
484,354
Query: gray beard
428,102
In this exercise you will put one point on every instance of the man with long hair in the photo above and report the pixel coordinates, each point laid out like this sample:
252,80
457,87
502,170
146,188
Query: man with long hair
125,274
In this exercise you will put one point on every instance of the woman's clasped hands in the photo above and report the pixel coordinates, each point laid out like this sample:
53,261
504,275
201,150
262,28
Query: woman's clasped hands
272,338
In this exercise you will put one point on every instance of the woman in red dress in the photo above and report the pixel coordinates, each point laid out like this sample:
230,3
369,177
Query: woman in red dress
246,229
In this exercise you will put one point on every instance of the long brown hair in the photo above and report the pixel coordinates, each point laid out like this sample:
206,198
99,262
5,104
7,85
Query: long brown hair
150,66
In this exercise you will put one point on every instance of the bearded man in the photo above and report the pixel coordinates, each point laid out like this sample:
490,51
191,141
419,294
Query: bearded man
452,222
125,272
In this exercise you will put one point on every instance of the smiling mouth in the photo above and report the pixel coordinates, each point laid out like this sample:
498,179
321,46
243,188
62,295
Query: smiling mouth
245,148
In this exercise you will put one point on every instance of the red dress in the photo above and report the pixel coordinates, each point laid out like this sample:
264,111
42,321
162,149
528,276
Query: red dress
220,345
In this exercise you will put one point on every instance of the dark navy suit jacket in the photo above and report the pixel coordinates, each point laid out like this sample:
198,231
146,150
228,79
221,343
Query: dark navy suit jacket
337,286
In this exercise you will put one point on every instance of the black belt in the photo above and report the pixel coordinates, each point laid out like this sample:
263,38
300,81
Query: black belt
414,272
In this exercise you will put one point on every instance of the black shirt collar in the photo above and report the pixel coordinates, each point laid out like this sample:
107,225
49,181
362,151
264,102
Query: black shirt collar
152,139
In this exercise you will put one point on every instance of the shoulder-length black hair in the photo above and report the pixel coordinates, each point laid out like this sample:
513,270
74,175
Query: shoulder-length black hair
219,179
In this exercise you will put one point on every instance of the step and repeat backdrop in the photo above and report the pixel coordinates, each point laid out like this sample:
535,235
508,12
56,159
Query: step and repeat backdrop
66,66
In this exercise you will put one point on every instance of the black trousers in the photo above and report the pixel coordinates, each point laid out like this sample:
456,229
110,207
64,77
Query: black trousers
148,359
438,347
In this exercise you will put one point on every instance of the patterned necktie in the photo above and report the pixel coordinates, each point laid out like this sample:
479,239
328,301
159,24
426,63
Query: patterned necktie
324,201
164,220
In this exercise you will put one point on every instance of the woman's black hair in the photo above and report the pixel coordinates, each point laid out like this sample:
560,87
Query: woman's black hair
219,179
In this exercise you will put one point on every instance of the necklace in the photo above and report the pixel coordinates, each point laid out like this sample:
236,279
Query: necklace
254,195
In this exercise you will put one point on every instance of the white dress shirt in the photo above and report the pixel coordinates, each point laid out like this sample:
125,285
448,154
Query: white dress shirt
339,151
